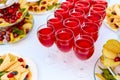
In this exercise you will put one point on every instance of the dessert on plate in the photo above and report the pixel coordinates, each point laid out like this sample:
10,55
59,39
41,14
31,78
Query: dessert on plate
14,68
113,16
110,59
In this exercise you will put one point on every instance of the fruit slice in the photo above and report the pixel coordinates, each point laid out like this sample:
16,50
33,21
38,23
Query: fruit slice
109,54
112,46
109,62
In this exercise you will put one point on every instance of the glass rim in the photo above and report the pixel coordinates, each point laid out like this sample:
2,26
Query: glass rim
43,25
82,36
99,6
76,4
62,29
92,14
92,24
63,9
83,12
67,19
48,20
68,1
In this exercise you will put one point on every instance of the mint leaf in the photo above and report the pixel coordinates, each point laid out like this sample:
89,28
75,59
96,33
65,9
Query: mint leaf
27,14
2,73
57,5
17,31
1,60
50,7
22,9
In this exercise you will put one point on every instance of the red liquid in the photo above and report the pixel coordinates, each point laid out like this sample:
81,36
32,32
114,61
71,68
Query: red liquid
63,12
102,2
96,18
83,49
91,30
83,5
64,41
46,37
68,4
78,15
74,26
56,22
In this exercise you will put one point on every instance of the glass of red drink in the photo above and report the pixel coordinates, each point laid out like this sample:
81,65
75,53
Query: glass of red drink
98,8
84,5
91,29
63,10
64,39
94,17
69,4
55,20
83,47
73,24
102,2
45,35
77,13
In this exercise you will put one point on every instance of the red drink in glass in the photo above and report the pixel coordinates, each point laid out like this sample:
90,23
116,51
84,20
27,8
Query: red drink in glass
94,17
102,2
46,35
64,39
64,11
97,8
77,14
84,5
73,24
83,47
91,29
69,4
55,20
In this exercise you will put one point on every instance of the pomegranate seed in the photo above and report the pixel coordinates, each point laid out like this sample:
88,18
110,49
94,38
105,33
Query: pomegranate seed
44,2
10,75
30,8
19,15
27,30
35,8
13,20
3,32
8,38
10,10
42,8
6,19
1,38
20,60
15,35
27,75
117,59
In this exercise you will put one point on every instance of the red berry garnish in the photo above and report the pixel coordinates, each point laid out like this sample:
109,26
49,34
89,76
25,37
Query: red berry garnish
117,59
19,15
10,75
20,60
1,38
42,8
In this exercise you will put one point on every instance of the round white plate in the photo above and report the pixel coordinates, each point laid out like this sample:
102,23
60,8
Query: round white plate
97,69
32,65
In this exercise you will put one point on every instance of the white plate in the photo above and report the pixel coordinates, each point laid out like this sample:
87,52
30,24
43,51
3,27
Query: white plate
97,69
32,65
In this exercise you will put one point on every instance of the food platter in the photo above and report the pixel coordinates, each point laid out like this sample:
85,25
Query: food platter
19,64
42,7
21,30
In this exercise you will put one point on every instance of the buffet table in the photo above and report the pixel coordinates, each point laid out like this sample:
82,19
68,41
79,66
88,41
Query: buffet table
52,64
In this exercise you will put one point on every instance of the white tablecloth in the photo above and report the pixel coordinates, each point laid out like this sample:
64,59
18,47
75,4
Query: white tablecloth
53,64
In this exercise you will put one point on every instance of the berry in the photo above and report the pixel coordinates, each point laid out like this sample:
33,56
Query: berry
14,73
1,38
117,59
19,15
20,60
10,75
42,8
27,66
10,10
8,38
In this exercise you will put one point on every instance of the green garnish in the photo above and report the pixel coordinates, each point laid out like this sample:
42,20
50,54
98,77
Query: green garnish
38,2
22,9
57,5
50,7
27,14
106,74
2,73
17,31
1,60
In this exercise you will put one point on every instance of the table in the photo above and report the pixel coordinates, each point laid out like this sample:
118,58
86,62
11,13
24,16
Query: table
51,63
